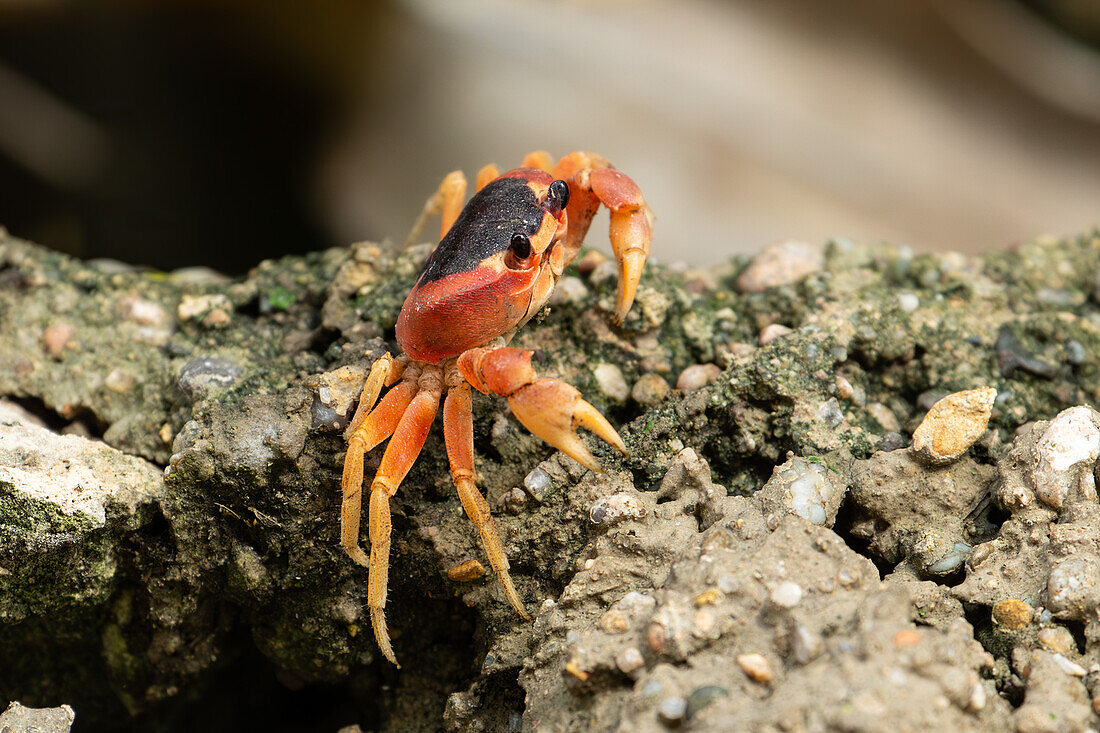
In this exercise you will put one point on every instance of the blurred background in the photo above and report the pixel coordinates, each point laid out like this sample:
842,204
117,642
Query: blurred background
220,133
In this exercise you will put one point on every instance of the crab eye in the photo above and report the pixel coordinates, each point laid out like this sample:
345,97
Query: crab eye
520,246
558,196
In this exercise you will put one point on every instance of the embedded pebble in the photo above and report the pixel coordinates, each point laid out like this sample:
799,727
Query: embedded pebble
469,570
781,263
1012,614
671,711
143,312
843,388
951,561
701,697
1070,440
537,483
605,272
805,644
1070,668
205,374
629,660
193,306
650,390
772,332
756,666
696,376
1072,589
906,638
787,594
1057,639
611,382
340,388
908,302
805,489
615,508
885,417
953,424
55,338
570,290
592,259
120,380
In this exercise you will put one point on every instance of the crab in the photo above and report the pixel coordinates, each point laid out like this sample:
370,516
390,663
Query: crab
496,265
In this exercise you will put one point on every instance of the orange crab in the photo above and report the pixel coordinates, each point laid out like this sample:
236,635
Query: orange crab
495,267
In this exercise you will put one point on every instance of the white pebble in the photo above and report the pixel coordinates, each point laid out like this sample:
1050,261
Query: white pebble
787,594
696,376
772,332
908,302
629,660
611,382
1071,439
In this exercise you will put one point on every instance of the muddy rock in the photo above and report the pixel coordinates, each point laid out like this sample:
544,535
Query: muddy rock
751,520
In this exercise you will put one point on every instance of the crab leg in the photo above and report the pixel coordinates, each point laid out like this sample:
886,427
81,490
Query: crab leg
401,453
549,408
594,181
365,432
458,431
448,200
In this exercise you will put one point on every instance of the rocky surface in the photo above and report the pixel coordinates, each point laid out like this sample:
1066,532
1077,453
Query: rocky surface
777,553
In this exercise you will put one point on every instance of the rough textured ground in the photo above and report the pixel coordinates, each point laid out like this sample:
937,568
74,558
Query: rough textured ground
770,557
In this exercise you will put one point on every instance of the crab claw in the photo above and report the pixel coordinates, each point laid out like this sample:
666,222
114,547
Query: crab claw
631,230
553,410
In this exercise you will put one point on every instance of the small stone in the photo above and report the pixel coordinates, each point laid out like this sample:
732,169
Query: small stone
55,338
1071,668
781,263
616,508
120,380
605,272
1072,590
701,697
537,483
512,501
671,711
469,570
697,376
143,312
207,374
908,302
613,621
906,638
20,719
629,660
657,636
885,417
650,390
340,388
193,306
953,424
590,261
217,318
787,594
1070,442
573,667
757,667
707,598
611,382
1057,639
772,332
805,645
843,388
703,623
569,291
1012,614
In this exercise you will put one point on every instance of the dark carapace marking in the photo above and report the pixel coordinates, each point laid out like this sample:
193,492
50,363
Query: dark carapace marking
505,207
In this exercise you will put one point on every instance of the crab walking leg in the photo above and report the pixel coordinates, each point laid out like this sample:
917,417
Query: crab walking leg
538,159
486,175
448,200
549,408
594,181
458,431
401,453
362,435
